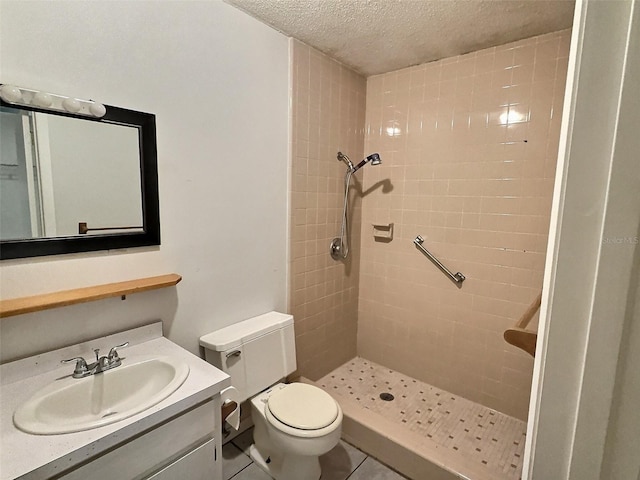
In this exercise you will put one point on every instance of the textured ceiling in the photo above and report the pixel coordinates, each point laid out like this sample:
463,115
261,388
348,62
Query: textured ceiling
377,36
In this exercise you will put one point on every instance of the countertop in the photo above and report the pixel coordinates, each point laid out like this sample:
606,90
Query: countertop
28,456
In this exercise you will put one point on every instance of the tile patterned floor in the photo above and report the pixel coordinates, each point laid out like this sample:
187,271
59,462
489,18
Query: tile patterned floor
494,440
342,463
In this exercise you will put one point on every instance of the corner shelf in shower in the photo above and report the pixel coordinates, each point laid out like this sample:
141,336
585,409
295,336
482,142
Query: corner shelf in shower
36,303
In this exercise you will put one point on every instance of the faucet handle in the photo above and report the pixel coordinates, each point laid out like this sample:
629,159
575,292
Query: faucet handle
81,365
113,353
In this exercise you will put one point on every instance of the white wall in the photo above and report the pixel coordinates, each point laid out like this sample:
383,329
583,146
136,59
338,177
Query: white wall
621,459
217,81
96,173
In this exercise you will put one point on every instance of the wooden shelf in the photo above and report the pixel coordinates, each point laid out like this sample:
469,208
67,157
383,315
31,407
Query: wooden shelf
521,338
36,303
518,336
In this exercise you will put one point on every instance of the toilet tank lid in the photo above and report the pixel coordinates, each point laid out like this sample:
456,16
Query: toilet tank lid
242,332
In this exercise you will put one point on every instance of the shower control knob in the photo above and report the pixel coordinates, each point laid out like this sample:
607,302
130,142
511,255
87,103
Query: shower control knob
336,249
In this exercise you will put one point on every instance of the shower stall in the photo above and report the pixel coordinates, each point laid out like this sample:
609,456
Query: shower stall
469,145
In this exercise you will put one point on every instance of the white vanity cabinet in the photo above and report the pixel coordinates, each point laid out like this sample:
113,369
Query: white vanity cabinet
183,447
177,438
191,465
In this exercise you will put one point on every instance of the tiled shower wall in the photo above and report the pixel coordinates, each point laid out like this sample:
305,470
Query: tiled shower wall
469,148
328,108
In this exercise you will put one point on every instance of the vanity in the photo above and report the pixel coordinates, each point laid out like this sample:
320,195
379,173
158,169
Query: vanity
177,437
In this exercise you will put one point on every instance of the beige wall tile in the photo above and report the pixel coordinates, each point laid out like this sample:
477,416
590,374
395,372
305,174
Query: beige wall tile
328,116
468,147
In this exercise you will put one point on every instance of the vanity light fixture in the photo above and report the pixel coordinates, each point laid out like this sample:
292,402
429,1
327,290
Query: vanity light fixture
50,101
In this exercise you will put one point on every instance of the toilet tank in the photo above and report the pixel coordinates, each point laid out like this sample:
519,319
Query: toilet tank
256,353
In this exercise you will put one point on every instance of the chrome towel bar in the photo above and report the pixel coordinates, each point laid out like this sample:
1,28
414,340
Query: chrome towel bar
457,278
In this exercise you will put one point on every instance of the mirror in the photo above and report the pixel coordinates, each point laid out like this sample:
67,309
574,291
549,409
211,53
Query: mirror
71,183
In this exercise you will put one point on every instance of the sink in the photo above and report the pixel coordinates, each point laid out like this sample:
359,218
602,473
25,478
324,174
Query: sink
72,405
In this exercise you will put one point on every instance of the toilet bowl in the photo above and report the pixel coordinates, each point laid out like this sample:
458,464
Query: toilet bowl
294,425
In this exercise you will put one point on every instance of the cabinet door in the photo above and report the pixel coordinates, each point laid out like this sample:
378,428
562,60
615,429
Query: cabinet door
198,464
144,454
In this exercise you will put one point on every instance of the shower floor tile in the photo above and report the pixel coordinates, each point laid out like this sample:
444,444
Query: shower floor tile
494,440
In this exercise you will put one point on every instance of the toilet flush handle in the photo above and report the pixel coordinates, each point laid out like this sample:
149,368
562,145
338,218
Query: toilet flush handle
235,353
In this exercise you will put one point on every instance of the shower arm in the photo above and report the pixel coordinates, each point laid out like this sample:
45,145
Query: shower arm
359,166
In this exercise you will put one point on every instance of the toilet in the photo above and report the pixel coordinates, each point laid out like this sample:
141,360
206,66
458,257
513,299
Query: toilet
294,423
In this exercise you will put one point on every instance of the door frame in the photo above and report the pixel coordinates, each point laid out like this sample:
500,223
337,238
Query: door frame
588,273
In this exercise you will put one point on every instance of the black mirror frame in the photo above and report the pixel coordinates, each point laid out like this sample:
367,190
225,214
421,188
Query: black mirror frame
146,124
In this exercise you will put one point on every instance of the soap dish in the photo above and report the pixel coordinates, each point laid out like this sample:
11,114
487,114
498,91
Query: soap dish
383,232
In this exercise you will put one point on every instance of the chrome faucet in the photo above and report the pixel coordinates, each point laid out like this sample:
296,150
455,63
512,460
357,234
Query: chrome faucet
102,364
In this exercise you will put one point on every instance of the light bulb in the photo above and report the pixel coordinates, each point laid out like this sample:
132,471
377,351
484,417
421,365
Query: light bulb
71,105
42,99
10,93
97,109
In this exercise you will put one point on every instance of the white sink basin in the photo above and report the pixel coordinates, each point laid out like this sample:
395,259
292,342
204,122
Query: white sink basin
72,405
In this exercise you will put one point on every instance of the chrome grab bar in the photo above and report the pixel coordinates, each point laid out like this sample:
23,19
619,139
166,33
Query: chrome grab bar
457,278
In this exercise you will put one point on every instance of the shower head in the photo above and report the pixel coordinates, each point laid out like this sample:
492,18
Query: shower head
374,158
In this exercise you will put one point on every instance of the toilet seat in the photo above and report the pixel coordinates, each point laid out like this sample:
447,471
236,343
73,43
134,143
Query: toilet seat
302,407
